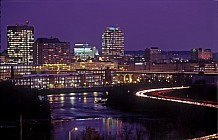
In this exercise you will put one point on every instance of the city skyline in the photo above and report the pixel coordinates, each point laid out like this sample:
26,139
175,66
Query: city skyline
170,25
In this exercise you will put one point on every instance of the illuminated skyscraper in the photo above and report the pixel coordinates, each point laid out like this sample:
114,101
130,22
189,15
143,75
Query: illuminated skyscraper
51,51
112,44
20,41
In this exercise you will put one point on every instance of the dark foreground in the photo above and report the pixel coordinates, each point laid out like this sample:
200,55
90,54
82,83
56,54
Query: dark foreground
23,115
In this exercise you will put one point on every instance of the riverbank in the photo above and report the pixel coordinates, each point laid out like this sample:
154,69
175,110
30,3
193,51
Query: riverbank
124,98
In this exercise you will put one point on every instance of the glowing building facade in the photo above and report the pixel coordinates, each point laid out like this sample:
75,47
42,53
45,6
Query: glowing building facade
112,44
201,54
85,51
80,78
20,41
51,51
19,71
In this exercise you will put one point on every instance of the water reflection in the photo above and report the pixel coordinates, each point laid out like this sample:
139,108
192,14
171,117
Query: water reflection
79,110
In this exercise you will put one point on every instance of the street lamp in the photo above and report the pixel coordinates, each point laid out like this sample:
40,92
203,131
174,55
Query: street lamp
69,133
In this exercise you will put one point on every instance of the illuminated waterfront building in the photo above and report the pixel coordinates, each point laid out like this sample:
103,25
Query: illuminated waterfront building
51,51
18,71
75,75
112,44
20,41
85,51
64,68
80,78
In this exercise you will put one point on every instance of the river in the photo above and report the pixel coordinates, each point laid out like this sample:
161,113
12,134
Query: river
72,113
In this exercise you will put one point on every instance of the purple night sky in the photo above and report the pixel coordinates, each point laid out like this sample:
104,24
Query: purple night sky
167,24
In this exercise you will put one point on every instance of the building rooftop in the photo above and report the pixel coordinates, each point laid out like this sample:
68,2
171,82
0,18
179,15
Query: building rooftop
113,28
48,40
81,45
20,27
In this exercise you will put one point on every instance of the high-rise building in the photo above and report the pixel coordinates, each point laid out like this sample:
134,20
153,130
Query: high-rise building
112,44
85,51
51,51
20,41
153,55
201,54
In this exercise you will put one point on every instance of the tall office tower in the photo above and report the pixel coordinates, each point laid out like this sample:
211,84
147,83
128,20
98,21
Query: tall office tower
51,51
112,44
153,55
20,41
85,51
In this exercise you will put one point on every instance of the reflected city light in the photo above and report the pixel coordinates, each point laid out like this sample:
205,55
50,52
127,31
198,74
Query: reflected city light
72,94
62,94
72,100
61,98
50,98
95,94
84,100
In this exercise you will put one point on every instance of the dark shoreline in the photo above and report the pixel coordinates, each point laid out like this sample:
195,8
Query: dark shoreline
124,99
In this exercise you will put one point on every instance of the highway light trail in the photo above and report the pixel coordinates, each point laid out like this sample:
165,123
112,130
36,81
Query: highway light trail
144,93
209,137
